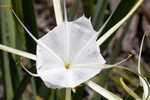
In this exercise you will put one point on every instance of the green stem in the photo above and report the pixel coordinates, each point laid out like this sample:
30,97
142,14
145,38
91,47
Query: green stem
68,94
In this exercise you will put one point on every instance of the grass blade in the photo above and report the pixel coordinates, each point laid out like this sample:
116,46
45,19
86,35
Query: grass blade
30,23
73,10
88,7
121,11
99,13
129,91
29,17
107,94
7,31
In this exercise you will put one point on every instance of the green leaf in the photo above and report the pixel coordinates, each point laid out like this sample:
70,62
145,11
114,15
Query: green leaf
17,6
127,76
88,7
73,10
99,13
129,91
138,91
14,73
79,94
22,85
7,31
107,94
43,91
30,23
121,11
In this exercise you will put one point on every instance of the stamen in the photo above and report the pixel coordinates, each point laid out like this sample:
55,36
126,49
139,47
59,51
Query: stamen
122,61
67,65
130,55
32,74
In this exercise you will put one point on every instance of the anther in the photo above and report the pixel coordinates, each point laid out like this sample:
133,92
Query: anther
130,55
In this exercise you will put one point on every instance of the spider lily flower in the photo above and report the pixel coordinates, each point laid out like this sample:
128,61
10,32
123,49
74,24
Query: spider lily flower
74,56
69,54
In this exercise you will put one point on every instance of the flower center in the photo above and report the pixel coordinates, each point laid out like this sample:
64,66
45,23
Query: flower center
67,65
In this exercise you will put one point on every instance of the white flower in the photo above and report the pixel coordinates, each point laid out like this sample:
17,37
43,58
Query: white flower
69,54
72,55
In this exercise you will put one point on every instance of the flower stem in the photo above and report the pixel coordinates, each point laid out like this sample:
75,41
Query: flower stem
68,94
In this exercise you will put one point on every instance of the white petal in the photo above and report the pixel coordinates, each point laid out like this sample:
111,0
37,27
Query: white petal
89,54
80,75
55,40
81,32
45,60
68,78
60,77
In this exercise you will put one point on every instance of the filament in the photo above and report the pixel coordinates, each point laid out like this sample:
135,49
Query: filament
32,74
